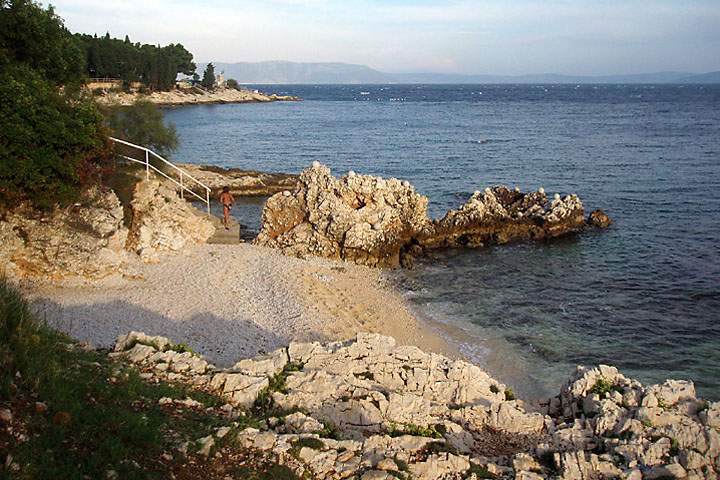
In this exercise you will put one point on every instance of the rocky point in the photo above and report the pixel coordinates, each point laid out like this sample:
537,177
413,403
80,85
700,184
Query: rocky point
384,222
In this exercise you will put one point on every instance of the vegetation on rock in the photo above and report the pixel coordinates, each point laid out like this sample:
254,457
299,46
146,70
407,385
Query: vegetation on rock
96,417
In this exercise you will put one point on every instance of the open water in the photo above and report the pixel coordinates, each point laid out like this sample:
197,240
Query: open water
643,295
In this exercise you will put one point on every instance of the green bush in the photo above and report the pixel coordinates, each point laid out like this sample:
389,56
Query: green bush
604,386
50,144
141,123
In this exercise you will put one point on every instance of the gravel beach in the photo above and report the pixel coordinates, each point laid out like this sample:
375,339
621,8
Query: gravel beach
235,301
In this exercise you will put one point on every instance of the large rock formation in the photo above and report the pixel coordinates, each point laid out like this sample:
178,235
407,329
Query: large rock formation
86,239
162,221
364,219
89,239
369,409
500,215
378,222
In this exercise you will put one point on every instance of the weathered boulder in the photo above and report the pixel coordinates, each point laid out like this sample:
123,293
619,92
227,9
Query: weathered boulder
500,215
162,221
85,239
364,219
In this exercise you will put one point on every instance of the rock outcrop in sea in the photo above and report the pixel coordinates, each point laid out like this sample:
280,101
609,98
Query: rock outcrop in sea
378,222
369,409
241,182
500,215
360,218
90,238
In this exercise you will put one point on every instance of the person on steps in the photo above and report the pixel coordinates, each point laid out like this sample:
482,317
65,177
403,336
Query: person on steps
227,200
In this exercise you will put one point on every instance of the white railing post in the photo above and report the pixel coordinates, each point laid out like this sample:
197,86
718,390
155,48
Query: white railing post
183,174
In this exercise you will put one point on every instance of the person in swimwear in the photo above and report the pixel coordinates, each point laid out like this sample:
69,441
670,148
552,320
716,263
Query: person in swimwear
227,200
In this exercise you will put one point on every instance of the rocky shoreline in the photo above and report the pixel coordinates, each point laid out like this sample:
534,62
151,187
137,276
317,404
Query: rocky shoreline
367,408
193,96
241,182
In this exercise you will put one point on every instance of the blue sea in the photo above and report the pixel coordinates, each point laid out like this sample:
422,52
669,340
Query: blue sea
643,295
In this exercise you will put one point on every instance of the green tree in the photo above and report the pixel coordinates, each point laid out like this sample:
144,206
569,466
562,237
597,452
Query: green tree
232,83
52,141
142,123
38,38
156,67
208,80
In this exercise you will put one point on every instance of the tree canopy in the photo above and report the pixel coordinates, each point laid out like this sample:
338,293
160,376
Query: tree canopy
154,66
38,38
51,139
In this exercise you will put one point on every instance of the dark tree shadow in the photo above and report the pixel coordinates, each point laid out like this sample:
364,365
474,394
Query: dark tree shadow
222,341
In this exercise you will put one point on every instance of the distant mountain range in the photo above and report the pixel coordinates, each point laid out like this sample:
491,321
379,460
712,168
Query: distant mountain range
326,73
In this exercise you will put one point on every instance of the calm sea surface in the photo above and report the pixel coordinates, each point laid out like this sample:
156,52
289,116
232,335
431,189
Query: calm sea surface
643,295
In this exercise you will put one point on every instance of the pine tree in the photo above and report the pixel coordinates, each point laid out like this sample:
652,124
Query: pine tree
208,80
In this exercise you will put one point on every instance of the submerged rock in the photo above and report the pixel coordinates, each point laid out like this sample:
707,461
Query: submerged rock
599,219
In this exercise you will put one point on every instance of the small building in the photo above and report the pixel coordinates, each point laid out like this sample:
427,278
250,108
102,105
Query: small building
220,80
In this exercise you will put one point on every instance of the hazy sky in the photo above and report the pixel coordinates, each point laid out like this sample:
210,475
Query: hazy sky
463,36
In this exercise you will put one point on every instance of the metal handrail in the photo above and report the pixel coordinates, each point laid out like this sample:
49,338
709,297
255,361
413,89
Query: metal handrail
182,172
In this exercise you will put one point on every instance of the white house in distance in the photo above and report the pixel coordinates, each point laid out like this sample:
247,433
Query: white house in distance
220,80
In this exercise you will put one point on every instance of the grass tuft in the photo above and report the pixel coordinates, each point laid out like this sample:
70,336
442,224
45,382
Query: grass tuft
604,386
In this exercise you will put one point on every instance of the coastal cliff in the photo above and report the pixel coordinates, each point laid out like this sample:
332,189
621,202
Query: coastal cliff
99,236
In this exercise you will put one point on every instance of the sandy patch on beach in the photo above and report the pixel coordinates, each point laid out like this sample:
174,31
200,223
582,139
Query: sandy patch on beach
234,301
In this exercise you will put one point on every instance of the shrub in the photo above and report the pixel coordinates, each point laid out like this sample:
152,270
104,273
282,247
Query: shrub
431,431
604,386
141,123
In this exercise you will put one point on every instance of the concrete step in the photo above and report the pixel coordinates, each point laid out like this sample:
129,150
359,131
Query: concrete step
230,236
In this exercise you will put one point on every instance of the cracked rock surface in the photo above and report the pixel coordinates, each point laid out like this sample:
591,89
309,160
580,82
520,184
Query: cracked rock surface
367,408
384,222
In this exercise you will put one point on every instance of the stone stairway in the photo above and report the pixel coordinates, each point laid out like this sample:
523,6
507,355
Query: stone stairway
229,237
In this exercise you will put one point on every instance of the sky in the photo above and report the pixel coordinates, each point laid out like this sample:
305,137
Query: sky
591,37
